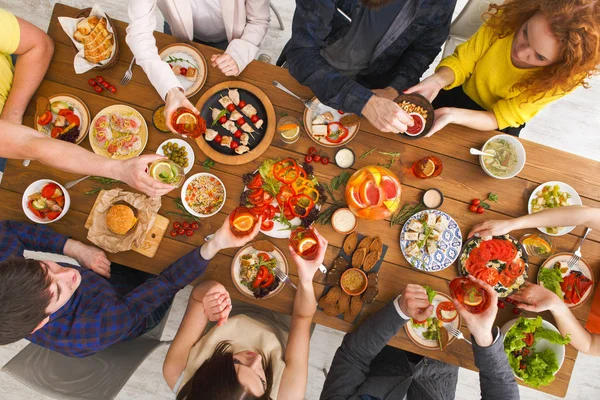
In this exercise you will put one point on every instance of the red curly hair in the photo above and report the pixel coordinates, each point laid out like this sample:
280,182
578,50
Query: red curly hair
576,26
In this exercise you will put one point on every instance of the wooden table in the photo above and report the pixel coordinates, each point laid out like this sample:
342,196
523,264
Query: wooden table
462,179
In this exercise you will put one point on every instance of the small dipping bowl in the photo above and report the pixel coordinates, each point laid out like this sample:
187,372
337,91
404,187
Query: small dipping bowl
354,282
433,198
344,221
344,158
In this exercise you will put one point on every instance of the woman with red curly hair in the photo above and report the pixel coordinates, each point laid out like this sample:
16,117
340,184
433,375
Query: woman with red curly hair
527,54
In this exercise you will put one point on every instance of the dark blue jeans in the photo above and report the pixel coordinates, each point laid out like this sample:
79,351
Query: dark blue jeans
219,45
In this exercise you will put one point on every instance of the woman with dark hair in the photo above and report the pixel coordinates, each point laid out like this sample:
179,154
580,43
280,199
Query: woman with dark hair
251,355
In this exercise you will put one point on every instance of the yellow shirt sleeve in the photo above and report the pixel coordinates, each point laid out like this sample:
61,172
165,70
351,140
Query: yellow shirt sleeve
11,33
462,61
518,110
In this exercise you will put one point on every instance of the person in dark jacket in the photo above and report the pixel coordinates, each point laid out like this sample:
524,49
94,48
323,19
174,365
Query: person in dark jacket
358,55
364,368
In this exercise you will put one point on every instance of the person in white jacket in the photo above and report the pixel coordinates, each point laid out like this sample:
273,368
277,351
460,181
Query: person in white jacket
241,23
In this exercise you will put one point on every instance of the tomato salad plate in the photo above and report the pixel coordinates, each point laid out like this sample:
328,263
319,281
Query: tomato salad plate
188,65
551,195
431,333
430,240
253,270
420,110
573,284
240,122
119,132
500,261
45,201
285,194
329,127
63,117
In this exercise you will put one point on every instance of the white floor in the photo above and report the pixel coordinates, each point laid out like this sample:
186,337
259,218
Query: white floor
571,124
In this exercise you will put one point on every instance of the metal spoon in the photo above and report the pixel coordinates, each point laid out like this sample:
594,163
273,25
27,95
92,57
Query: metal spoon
477,152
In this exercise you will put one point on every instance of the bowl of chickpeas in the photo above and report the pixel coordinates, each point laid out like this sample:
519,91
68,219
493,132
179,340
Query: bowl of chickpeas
179,151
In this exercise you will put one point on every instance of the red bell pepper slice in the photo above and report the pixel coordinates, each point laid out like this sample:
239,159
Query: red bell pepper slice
260,276
288,175
338,135
285,193
267,225
256,182
269,280
300,205
281,165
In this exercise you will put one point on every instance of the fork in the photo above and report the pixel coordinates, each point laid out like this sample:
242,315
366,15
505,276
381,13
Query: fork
128,74
307,103
577,255
70,184
456,333
284,277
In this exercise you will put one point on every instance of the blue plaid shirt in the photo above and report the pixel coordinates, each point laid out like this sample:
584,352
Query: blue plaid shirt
96,316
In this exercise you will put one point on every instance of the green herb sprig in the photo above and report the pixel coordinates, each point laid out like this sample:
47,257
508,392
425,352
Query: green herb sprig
366,153
324,217
183,212
103,181
339,180
222,113
407,211
173,59
208,164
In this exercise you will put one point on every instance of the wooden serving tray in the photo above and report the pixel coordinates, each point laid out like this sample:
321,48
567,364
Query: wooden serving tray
153,238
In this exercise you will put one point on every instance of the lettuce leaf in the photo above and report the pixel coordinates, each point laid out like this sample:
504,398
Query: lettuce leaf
551,336
540,369
551,279
430,293
266,167
515,335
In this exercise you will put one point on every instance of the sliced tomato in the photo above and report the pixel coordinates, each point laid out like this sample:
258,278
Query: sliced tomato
474,267
511,252
285,193
61,201
45,118
267,197
73,119
52,215
506,280
112,148
272,211
263,256
55,132
49,190
529,339
261,275
268,281
256,196
446,307
257,211
515,268
491,276
35,212
65,111
267,225
287,213
256,182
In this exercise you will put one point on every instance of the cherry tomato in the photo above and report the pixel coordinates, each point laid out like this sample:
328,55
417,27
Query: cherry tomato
180,231
341,112
238,134
241,121
222,120
234,145
501,304
231,107
174,232
105,84
254,118
176,225
73,119
189,232
308,158
92,82
475,202
183,70
316,158
242,104
312,151
480,210
473,208
516,311
99,79
218,138
55,132
194,225
98,89
325,160
112,89
186,225
52,215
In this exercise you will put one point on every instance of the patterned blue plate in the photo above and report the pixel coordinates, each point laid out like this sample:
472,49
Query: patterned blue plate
448,246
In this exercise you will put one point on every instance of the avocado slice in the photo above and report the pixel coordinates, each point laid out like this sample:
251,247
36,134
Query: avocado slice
58,105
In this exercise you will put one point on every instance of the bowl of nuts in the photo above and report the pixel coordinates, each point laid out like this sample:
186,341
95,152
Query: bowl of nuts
420,110
178,151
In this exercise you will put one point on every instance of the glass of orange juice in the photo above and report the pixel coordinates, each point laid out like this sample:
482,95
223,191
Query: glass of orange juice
187,123
289,129
242,221
304,242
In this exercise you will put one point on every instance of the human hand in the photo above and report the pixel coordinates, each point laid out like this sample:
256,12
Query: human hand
388,93
415,303
308,268
224,238
225,63
175,99
386,115
134,173
480,325
536,298
492,228
217,304
443,117
88,256
428,87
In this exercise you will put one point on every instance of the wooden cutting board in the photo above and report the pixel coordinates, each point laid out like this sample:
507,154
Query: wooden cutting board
153,238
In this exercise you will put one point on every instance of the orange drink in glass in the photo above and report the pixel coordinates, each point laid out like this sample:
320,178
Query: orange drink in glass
242,221
428,167
187,123
373,192
471,295
304,242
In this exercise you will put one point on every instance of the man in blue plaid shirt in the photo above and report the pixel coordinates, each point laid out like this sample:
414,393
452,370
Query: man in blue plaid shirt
77,311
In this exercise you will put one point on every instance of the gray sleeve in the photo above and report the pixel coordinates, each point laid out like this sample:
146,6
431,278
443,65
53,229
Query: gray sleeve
351,363
496,378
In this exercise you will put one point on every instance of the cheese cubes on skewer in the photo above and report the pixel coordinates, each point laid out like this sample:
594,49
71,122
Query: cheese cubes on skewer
234,96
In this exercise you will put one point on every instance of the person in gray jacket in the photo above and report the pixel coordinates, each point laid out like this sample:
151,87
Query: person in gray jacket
364,368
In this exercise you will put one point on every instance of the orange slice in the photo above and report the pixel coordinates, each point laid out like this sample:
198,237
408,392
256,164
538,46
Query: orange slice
243,223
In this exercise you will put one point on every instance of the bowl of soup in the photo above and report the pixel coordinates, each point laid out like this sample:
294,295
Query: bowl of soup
354,282
507,157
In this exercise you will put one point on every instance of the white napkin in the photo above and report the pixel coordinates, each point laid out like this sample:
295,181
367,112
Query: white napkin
69,25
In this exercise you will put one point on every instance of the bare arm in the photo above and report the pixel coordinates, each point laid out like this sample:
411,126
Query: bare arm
35,52
479,120
295,374
561,216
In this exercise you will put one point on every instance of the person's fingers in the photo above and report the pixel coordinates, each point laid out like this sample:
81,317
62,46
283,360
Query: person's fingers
214,56
222,314
417,303
462,311
225,313
526,307
218,305
222,60
424,313
490,290
413,89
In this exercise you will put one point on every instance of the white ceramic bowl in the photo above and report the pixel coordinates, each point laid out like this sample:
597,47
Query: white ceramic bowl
36,187
180,143
521,157
574,201
543,344
184,189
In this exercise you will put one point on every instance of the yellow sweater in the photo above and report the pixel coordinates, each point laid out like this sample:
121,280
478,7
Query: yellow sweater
483,66
9,41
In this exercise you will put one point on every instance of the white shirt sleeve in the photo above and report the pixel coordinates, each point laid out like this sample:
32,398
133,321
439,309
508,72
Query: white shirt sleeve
140,38
397,305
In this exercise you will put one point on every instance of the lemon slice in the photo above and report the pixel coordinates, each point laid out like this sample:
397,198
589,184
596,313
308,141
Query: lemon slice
540,244
391,204
473,298
243,223
305,244
429,168
186,118
290,133
162,171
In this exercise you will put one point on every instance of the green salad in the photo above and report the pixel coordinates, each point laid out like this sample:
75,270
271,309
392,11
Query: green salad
551,278
535,368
